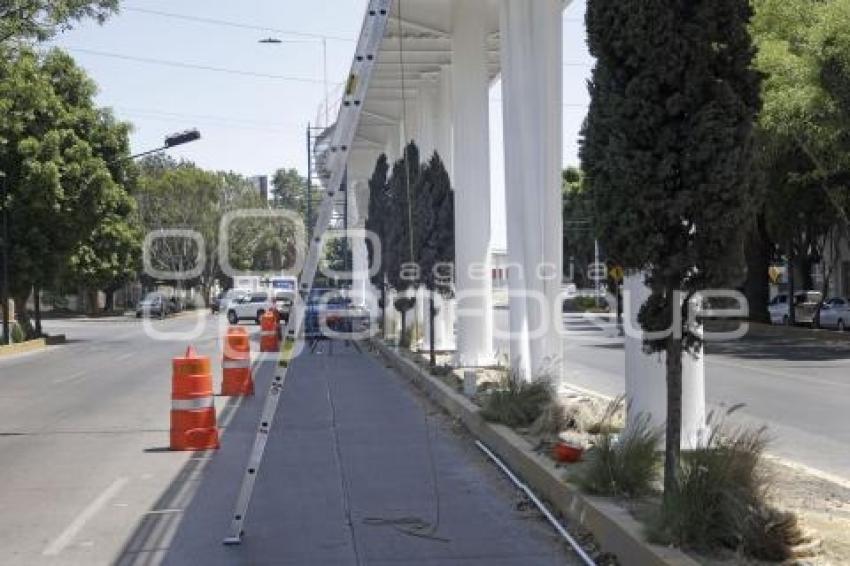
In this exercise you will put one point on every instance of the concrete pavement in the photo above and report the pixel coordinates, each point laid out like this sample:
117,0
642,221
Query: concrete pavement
360,470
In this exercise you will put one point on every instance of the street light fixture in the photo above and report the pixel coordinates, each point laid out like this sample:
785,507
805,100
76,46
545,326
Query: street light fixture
172,140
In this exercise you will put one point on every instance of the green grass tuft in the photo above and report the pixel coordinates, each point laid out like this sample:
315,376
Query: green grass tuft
518,402
624,465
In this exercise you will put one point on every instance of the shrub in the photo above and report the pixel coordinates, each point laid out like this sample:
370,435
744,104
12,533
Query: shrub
518,403
721,500
627,465
16,332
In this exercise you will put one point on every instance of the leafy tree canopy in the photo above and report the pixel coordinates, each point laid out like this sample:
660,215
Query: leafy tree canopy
42,19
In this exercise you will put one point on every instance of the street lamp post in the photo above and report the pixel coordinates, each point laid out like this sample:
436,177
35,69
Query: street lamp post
172,140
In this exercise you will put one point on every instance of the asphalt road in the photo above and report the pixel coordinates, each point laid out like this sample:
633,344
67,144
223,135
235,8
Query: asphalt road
86,477
799,388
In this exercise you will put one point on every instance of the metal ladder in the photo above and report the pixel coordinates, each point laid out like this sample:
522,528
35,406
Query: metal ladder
371,35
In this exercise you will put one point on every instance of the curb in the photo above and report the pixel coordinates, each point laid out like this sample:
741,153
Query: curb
612,526
21,347
818,334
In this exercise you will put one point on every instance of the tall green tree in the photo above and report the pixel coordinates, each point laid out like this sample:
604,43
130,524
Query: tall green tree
435,250
377,222
42,19
578,224
804,152
54,157
667,149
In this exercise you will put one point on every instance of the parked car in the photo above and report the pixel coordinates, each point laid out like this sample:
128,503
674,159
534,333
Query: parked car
835,313
153,305
222,302
250,307
175,304
283,304
805,307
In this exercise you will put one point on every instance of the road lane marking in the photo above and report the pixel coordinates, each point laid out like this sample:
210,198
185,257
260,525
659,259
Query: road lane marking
69,378
773,372
60,542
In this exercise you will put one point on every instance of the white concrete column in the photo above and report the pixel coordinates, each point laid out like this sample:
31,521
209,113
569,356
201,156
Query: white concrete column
443,124
646,381
531,54
428,111
470,90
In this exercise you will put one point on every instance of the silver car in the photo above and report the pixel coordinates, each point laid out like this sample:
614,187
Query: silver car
835,313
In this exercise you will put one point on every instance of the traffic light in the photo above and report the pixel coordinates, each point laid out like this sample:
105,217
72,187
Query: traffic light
182,137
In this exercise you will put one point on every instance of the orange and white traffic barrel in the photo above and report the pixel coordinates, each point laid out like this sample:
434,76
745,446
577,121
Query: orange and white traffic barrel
193,422
236,377
269,340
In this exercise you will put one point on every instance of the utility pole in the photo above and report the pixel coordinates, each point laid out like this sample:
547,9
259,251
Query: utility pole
345,249
7,336
325,68
307,190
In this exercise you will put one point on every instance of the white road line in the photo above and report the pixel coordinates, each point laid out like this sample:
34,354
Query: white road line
60,542
69,378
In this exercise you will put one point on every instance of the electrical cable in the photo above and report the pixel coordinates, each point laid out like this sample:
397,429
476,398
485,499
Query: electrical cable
182,65
225,23
416,526
404,131
343,478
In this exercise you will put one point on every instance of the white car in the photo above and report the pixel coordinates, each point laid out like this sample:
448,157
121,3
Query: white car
250,307
805,307
835,313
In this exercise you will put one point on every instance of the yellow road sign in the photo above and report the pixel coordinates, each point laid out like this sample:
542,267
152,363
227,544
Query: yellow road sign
616,273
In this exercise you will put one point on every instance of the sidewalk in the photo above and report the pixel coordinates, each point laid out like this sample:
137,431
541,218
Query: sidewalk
349,471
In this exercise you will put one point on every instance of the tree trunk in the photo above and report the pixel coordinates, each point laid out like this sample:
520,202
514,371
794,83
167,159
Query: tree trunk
792,311
91,300
673,440
403,336
432,314
37,305
384,310
109,301
22,316
806,281
757,251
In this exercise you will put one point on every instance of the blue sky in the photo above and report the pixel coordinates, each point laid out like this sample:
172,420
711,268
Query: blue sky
249,124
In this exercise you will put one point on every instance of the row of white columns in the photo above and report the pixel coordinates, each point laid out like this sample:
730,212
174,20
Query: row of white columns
451,116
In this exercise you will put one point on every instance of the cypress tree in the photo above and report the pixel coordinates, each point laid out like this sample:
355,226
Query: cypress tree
376,222
667,149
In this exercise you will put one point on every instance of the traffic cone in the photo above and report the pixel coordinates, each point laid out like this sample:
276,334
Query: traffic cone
236,363
269,341
193,422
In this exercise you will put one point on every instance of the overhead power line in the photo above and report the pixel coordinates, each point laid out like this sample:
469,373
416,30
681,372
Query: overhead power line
183,65
225,23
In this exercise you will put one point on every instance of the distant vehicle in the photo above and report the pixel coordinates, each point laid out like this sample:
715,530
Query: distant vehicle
222,302
805,307
174,304
284,289
153,305
250,307
835,313
333,309
248,282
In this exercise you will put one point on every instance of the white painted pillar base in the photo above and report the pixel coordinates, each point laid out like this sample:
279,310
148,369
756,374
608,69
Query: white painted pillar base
646,381
531,53
471,164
